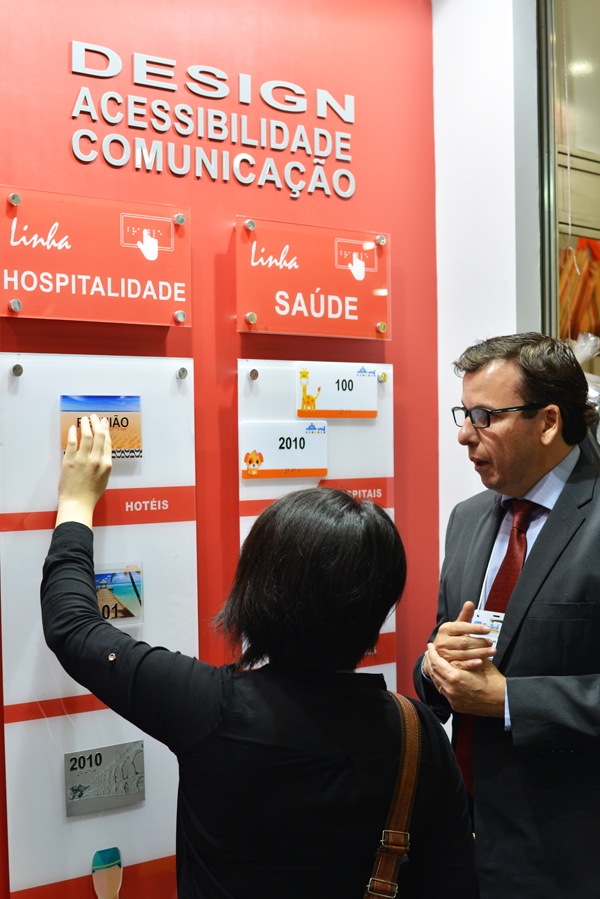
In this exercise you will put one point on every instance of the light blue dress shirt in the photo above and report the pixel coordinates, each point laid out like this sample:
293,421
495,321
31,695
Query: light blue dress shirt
545,493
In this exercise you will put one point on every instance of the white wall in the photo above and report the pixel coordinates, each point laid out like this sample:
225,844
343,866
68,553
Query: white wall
487,215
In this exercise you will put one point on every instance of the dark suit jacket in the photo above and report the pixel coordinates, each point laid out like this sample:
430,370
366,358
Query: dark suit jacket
537,787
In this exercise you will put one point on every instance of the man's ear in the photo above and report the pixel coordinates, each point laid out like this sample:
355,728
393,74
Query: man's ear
551,424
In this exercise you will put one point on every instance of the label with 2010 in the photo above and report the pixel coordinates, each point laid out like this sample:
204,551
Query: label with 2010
85,761
287,443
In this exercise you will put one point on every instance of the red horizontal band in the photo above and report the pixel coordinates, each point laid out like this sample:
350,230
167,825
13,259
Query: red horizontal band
380,490
385,651
139,505
27,521
154,879
52,708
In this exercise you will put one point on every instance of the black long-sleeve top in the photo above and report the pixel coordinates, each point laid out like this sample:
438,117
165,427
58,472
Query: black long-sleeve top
285,776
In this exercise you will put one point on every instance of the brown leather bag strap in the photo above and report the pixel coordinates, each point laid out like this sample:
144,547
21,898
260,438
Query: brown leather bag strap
395,840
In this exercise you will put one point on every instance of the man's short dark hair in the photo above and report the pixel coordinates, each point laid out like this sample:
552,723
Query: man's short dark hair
550,374
316,578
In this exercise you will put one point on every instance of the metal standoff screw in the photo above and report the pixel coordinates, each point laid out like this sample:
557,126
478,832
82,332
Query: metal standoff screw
251,318
15,305
381,240
249,224
14,199
179,218
17,370
381,327
382,377
253,374
182,374
179,316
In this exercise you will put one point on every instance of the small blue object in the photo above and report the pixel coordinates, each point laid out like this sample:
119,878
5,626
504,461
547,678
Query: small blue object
106,858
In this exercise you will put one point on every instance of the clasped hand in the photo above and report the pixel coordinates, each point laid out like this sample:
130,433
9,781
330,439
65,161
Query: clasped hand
458,664
85,471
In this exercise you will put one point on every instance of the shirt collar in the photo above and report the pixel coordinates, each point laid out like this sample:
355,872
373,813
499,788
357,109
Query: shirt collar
547,490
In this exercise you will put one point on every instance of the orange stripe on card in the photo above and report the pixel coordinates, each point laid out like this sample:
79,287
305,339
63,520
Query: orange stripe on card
337,413
153,879
140,505
52,708
385,652
256,473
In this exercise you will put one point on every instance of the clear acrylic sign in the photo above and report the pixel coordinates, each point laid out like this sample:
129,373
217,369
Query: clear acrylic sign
301,279
92,259
359,453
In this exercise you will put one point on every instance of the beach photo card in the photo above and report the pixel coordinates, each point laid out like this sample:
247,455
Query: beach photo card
120,592
124,421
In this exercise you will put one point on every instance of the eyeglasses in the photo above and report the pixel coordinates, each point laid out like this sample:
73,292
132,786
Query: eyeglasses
480,417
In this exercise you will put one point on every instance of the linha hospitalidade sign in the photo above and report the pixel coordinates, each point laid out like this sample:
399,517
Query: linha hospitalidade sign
88,259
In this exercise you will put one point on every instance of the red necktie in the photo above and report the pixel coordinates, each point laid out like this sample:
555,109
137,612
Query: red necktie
497,601
510,569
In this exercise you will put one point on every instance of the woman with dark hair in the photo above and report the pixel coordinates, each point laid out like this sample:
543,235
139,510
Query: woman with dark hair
316,578
286,770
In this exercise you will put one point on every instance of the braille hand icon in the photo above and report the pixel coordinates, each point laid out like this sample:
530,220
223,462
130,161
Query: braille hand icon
357,267
148,246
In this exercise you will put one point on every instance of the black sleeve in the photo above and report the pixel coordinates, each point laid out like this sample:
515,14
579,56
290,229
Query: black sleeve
442,854
427,692
424,688
155,689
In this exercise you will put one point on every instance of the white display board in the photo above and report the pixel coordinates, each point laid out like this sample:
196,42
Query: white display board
279,399
146,519
30,410
31,672
45,846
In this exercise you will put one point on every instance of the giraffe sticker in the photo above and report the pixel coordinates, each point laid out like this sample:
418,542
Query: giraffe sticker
346,389
308,401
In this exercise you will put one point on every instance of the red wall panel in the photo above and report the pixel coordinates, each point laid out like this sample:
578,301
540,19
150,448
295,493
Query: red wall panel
379,53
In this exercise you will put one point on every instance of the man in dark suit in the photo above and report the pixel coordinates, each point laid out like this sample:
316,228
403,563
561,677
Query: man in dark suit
526,710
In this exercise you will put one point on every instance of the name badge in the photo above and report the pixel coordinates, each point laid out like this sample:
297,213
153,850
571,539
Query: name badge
494,620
